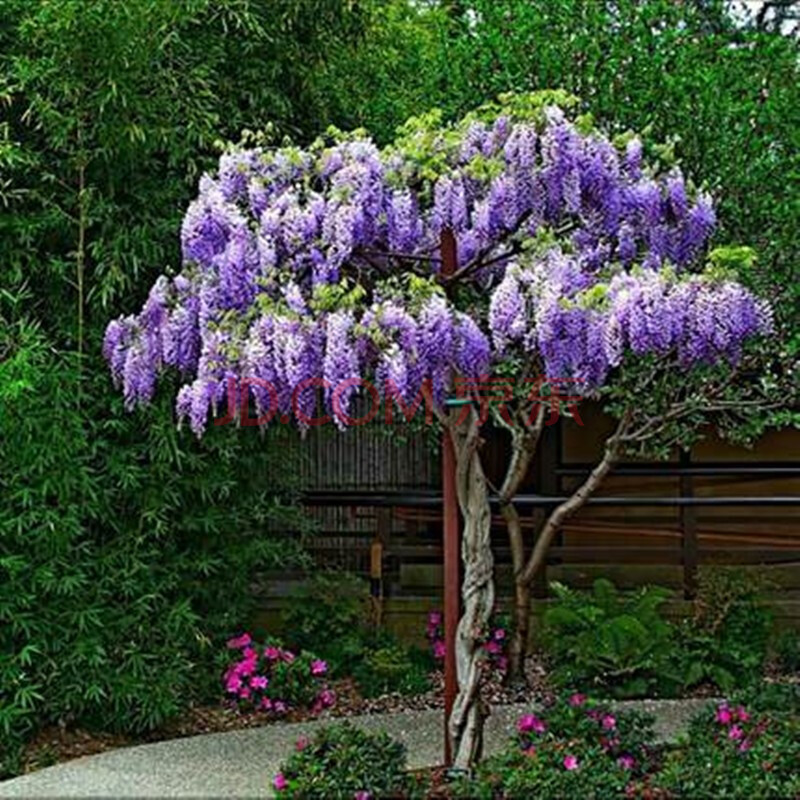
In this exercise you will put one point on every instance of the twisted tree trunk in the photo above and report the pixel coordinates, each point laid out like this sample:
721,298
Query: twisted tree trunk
477,591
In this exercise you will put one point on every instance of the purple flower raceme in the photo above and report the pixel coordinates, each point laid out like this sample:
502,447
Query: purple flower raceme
573,254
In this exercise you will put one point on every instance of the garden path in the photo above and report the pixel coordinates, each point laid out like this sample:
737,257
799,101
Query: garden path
242,763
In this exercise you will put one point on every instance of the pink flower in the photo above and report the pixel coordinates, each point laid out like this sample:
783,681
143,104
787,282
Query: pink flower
502,663
609,722
577,699
249,654
499,634
279,707
626,761
266,703
239,641
318,667
362,794
258,682
742,714
287,656
233,684
272,653
301,744
244,693
493,647
735,733
724,715
279,782
435,618
570,762
745,746
246,667
439,650
327,697
530,723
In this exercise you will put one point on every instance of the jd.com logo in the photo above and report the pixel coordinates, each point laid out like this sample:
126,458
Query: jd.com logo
485,394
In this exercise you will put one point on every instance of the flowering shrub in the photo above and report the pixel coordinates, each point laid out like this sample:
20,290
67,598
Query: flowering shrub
574,748
342,762
495,646
737,751
272,679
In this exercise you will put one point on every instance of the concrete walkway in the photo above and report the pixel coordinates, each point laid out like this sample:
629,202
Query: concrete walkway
242,763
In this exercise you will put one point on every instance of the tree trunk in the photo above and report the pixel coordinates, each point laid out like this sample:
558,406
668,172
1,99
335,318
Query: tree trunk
523,447
518,649
466,721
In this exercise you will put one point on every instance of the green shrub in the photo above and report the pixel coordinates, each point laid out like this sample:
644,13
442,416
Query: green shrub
576,748
736,751
268,678
342,762
725,640
610,642
328,615
786,651
392,669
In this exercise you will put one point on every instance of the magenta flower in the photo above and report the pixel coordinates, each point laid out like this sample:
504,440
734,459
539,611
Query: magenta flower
439,649
279,782
272,653
258,682
502,663
570,762
301,744
249,654
577,699
287,656
742,714
362,794
266,704
493,648
735,733
609,722
318,667
530,723
233,684
745,746
724,715
239,641
245,693
279,707
246,667
327,697
499,635
626,761
435,618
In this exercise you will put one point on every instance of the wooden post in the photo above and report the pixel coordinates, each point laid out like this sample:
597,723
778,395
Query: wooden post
688,521
452,593
376,552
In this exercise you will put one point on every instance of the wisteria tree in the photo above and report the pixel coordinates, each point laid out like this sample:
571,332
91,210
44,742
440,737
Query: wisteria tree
309,271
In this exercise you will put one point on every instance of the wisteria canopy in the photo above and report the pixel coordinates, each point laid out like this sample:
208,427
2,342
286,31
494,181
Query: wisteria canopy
322,263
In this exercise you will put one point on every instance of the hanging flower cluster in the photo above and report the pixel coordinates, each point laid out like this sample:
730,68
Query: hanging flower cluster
319,267
271,679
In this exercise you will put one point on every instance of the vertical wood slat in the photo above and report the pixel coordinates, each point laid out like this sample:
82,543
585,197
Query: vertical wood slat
688,525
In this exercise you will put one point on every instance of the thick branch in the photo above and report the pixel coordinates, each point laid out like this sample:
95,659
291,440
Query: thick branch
577,500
